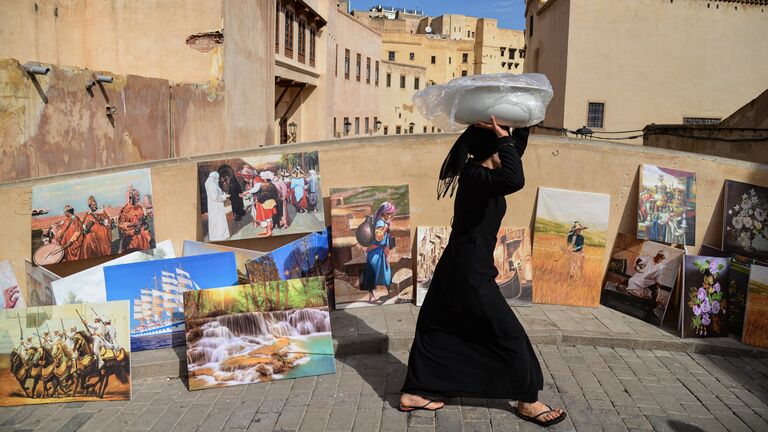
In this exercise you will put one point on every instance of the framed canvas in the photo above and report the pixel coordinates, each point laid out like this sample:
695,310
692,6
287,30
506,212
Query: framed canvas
745,222
667,205
705,302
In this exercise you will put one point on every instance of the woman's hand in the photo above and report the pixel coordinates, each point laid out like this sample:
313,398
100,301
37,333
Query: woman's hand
500,132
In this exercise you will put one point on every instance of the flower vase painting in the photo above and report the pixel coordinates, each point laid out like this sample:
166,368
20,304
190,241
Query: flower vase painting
704,298
744,223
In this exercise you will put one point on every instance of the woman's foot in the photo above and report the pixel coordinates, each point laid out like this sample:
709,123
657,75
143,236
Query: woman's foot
540,413
409,402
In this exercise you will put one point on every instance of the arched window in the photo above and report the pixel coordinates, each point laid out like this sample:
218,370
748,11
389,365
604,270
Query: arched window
277,27
312,35
289,16
302,39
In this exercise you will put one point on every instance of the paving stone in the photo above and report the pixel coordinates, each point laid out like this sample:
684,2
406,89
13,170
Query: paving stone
262,422
290,418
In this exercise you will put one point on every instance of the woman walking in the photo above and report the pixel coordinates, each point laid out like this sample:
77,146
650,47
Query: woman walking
468,342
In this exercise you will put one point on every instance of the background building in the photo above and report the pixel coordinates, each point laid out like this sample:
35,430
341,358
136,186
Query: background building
619,66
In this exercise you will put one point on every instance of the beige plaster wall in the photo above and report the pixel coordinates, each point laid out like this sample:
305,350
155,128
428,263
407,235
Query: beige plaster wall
145,37
650,61
415,160
50,124
396,104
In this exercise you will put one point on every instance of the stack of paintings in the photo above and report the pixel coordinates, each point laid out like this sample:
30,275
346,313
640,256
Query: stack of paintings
512,258
53,354
371,246
254,333
156,288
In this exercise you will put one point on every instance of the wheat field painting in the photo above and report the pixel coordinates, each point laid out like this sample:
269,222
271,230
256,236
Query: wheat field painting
756,315
569,247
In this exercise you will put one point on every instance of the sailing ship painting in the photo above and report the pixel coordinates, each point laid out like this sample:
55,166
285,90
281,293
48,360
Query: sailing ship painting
155,289
258,332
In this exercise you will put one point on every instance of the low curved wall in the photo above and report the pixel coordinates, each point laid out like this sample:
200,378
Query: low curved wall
582,165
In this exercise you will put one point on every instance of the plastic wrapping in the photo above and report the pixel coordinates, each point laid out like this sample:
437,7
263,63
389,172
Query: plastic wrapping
515,100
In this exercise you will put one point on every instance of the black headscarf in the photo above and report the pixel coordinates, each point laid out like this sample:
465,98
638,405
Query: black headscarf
480,143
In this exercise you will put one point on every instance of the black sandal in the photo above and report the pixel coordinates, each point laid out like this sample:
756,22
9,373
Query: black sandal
547,423
403,408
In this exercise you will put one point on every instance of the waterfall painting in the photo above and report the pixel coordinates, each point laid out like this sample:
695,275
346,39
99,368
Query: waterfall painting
257,333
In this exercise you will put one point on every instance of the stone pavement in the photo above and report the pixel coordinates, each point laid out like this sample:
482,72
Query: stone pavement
609,389
377,330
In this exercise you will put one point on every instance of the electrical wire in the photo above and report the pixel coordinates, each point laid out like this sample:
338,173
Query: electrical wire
653,130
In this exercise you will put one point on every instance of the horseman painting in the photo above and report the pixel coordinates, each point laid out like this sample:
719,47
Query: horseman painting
67,353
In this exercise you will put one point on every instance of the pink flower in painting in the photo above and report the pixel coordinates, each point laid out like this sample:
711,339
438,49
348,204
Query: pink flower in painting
705,319
696,310
715,307
705,306
716,287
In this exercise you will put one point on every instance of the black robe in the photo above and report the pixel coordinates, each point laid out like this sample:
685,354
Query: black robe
468,342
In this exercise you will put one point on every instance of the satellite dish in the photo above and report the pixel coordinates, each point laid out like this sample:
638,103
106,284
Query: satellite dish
428,29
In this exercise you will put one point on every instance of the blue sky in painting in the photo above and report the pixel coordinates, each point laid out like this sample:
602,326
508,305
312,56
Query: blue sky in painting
318,243
109,190
125,281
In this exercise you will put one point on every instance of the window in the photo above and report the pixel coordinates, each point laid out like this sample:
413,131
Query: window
358,67
512,53
375,120
289,33
368,70
530,26
376,74
595,114
450,60
302,40
433,129
425,129
337,60
410,128
391,56
398,130
468,33
386,130
346,63
367,126
335,134
389,79
357,125
465,58
402,81
312,46
503,49
277,27
463,73
522,53
412,56
416,83
701,120
434,60
345,126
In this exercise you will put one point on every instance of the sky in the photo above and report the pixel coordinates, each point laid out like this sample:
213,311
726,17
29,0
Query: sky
564,206
510,13
109,190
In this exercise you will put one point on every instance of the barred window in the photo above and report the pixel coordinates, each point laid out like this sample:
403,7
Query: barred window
595,114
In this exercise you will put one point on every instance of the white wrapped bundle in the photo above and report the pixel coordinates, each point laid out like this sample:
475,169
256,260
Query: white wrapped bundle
515,100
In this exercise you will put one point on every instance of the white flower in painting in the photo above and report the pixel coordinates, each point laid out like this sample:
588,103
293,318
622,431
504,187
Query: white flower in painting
748,223
736,207
737,222
760,214
758,226
746,203
744,240
730,212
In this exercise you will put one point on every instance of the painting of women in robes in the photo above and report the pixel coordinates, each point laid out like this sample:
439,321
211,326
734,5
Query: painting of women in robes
667,206
218,228
266,195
